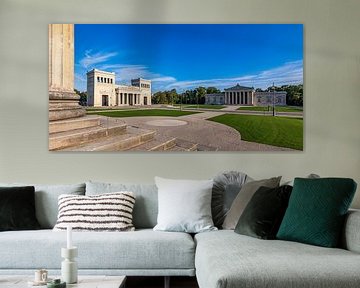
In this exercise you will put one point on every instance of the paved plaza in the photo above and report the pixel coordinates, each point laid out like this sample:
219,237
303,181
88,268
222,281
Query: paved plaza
196,129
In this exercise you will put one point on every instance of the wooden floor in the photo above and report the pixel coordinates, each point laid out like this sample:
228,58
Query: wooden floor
158,282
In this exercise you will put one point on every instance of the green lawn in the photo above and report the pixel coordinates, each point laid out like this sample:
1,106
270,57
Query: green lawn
277,108
204,106
277,131
147,112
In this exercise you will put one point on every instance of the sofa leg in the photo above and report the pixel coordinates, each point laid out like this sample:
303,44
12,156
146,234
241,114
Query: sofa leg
167,282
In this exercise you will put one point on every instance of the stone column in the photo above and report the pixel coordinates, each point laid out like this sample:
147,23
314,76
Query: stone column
63,101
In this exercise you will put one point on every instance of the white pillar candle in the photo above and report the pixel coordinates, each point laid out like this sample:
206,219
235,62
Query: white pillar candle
69,237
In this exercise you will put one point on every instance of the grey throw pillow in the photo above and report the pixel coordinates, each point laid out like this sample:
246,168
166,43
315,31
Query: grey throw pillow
146,205
184,205
226,187
242,199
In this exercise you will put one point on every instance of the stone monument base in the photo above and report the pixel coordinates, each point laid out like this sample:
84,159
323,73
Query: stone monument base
64,105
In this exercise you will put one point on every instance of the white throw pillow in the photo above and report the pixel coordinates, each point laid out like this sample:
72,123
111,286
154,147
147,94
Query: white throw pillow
184,205
104,212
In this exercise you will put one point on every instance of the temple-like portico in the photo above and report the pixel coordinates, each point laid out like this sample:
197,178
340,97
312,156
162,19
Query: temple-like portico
239,95
246,96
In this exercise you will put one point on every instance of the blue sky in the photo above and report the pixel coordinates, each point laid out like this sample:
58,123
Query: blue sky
185,56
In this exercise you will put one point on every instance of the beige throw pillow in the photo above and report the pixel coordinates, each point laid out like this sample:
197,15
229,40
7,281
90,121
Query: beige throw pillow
243,198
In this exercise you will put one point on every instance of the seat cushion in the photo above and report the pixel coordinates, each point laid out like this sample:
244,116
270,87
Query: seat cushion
226,259
144,249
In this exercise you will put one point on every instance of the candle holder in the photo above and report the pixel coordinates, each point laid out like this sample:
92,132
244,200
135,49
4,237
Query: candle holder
69,271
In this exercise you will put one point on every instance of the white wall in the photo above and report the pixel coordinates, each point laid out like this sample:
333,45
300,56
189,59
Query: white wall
332,90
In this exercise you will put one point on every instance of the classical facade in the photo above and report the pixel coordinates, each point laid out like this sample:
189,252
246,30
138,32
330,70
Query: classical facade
239,95
102,90
246,96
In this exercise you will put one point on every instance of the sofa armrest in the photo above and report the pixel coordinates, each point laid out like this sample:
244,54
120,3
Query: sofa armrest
351,234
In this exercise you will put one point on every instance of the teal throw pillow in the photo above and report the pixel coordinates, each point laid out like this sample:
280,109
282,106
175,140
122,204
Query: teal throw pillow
316,211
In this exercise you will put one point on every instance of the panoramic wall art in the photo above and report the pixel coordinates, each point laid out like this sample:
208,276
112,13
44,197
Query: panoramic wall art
176,87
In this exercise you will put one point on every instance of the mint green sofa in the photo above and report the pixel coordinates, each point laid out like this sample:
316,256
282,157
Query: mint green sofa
219,259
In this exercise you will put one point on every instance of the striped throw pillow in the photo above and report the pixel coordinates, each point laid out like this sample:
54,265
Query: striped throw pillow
105,212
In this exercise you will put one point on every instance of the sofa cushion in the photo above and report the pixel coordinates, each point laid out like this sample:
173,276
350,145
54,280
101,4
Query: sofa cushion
184,205
143,249
226,187
243,198
105,212
146,205
17,208
317,210
263,215
350,239
225,259
46,200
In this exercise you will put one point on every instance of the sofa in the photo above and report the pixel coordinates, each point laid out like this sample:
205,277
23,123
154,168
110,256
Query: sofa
218,259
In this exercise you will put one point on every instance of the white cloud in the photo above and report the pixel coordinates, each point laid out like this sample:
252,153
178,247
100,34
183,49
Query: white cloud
289,73
124,73
90,60
163,79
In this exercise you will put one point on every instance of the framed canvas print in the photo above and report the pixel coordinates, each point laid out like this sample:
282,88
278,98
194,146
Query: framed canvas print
176,87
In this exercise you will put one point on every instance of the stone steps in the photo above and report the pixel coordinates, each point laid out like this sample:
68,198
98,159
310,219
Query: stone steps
177,149
76,137
159,143
186,145
97,133
132,138
73,124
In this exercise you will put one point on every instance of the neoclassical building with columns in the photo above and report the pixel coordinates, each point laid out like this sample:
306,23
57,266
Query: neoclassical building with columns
103,91
241,95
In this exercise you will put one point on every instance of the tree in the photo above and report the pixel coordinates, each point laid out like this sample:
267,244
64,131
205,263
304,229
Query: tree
294,93
212,90
83,97
200,93
171,96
